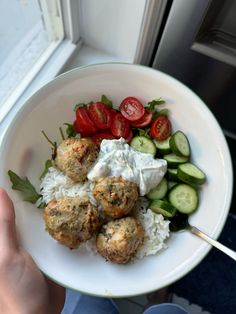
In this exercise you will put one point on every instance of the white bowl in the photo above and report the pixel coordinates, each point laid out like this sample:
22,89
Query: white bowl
24,151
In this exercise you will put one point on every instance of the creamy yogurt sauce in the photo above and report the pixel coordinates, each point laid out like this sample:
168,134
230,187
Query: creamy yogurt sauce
117,158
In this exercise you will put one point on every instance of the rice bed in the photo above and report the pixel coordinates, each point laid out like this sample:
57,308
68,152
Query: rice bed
57,185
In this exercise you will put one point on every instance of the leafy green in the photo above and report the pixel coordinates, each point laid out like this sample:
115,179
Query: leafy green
144,132
24,186
106,101
153,103
70,131
54,144
61,132
47,165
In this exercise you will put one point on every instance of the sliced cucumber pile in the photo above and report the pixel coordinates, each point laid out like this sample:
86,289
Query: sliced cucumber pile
177,193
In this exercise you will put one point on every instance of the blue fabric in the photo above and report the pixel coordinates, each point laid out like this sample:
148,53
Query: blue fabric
85,304
93,305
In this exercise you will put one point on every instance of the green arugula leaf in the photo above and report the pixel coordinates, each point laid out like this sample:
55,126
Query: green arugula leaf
54,144
144,132
106,101
70,131
155,102
61,132
47,165
25,187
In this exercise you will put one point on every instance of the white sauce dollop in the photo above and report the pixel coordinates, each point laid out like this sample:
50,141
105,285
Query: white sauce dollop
117,158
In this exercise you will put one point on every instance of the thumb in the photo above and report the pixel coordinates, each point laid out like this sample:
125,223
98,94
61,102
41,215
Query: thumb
8,239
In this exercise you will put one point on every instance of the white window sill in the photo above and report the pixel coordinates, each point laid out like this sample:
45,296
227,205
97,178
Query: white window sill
87,55
38,76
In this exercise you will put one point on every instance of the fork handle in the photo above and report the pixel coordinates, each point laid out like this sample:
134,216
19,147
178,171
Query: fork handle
214,243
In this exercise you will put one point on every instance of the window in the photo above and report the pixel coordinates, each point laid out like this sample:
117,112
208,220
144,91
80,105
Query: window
30,30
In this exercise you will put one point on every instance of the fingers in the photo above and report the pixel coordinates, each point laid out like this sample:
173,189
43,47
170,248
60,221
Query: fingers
8,239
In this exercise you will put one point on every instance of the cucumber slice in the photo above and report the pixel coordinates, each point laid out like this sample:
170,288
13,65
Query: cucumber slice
172,174
179,144
191,174
174,161
163,207
184,197
159,191
143,144
163,146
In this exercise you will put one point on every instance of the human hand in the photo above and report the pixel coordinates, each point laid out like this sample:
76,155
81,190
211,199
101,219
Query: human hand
23,288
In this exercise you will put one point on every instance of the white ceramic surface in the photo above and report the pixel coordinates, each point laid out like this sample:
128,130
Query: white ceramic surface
24,151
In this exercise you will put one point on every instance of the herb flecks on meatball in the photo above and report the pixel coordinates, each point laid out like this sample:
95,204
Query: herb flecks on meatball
119,239
116,195
74,157
71,220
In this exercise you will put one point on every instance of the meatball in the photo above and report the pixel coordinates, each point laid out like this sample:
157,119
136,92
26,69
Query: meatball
116,195
119,239
71,220
75,156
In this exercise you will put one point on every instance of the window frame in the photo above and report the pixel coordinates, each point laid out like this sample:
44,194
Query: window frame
51,62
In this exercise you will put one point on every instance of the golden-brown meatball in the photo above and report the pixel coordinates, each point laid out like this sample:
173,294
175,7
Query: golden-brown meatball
119,239
75,156
116,195
71,220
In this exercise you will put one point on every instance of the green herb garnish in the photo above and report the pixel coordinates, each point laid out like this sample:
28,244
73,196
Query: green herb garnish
106,101
25,187
144,132
54,144
70,131
62,134
47,165
153,103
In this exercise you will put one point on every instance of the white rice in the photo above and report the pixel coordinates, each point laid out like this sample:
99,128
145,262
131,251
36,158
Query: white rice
56,185
156,230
